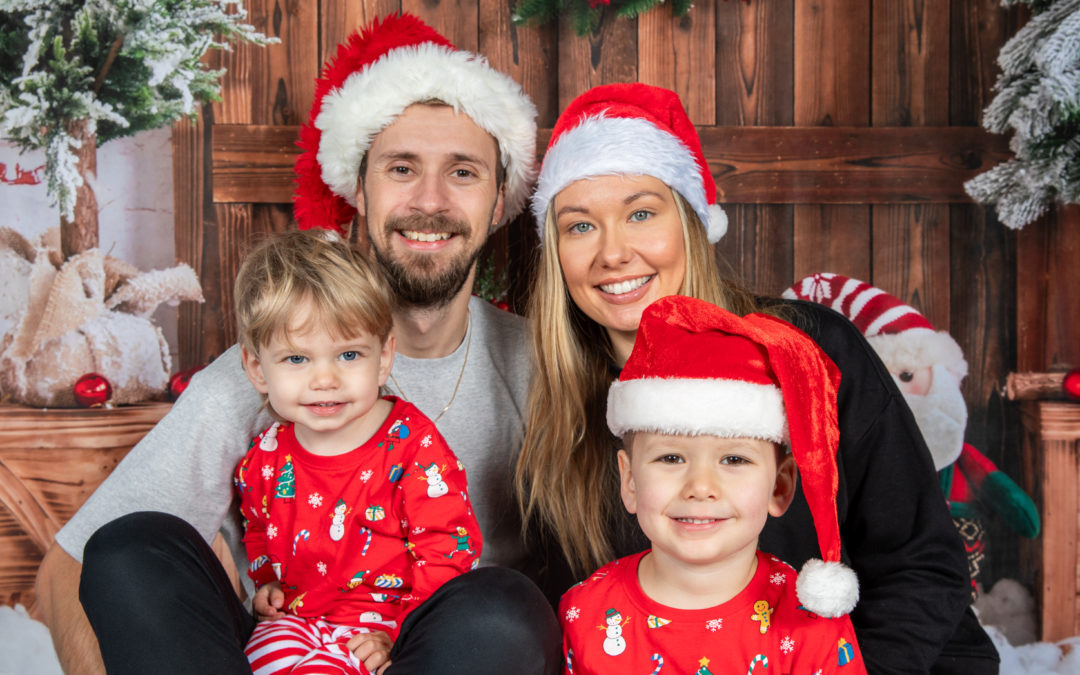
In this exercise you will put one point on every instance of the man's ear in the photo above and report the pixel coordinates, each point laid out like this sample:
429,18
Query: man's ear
386,359
500,208
254,370
626,483
787,476
361,204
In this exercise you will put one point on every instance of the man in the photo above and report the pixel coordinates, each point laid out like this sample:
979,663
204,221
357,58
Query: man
435,149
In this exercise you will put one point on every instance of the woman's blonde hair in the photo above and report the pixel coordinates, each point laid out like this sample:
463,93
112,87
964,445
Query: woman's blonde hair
348,294
566,479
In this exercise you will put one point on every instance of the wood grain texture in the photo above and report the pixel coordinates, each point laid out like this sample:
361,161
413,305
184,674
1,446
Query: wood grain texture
340,18
607,55
910,87
678,53
752,165
755,52
526,53
832,88
50,462
1051,450
456,20
1048,304
191,179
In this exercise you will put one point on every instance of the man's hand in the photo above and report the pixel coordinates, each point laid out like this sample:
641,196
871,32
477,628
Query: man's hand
373,650
268,601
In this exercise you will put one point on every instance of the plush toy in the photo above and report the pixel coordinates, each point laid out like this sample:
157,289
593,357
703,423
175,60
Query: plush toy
928,367
89,314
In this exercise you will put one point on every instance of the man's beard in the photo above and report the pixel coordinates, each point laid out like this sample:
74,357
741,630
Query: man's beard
942,416
417,280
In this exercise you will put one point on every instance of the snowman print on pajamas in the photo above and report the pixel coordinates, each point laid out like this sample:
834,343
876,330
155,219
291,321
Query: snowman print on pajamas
614,643
337,527
436,486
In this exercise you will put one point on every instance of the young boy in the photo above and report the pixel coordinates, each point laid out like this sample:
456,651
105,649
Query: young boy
355,509
704,406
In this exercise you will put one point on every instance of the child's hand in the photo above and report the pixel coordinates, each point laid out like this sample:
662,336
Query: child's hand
373,650
268,602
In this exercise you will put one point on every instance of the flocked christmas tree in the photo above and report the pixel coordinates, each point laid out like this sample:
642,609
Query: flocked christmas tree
75,74
1039,100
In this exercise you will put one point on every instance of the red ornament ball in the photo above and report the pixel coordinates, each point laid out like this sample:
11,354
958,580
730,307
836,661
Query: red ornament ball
92,390
1071,385
179,381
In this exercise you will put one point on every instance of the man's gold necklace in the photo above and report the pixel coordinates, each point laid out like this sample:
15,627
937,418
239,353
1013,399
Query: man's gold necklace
461,375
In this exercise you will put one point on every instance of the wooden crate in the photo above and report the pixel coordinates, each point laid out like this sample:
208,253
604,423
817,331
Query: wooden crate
1051,452
51,460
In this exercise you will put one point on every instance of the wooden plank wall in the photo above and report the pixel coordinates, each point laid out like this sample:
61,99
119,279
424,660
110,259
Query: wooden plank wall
840,132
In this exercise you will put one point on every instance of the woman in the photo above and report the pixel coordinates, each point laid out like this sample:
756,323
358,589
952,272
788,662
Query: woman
626,214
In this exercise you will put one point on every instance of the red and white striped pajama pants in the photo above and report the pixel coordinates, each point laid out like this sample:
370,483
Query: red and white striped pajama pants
299,645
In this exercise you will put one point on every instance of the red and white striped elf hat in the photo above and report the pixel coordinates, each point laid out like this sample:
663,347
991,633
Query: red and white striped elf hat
697,369
376,74
902,337
631,129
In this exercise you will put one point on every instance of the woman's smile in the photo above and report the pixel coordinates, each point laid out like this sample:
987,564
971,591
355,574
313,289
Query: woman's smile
621,247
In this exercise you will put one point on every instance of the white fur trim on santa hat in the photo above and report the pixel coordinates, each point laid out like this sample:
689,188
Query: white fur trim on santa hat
607,146
828,589
691,407
917,348
372,98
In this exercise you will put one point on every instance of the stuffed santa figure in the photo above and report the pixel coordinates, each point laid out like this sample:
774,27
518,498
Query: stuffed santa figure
928,367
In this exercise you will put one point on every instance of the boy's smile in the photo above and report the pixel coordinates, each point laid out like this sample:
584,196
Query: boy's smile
702,500
327,385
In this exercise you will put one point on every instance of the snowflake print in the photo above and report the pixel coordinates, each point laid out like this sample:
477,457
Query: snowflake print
426,441
778,579
421,563
787,644
321,566
714,625
315,499
267,472
366,475
271,531
572,614
418,530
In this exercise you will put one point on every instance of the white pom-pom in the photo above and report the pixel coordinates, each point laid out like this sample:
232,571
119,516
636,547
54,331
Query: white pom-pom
717,225
828,589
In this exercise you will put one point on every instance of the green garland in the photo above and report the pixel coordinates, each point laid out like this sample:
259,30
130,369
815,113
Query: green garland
585,15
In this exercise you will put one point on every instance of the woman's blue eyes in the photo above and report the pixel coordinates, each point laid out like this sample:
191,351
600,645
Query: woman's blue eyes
639,216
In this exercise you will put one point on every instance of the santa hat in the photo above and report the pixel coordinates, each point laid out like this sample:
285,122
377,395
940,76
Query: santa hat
378,73
697,369
632,129
902,337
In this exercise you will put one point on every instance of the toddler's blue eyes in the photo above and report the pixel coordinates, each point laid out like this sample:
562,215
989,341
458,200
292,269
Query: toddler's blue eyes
296,359
349,356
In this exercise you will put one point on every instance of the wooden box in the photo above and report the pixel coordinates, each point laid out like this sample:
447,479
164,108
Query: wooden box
1051,453
51,460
